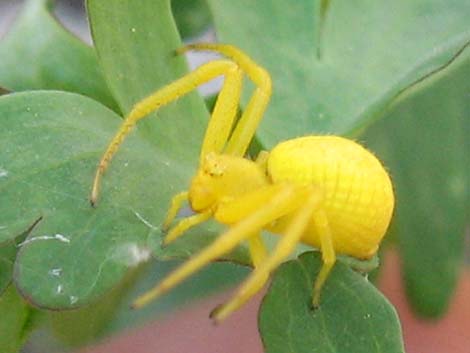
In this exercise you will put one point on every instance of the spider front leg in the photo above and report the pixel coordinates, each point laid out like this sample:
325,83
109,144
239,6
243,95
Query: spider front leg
283,200
186,223
221,122
251,117
175,205
219,125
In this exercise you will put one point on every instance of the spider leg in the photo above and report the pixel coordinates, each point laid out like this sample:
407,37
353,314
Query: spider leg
328,254
257,249
249,121
281,203
224,113
175,206
284,248
185,224
258,254
220,124
262,160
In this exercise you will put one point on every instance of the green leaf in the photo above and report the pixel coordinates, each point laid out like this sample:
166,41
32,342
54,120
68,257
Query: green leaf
92,248
191,16
38,53
15,314
371,51
353,315
425,142
60,137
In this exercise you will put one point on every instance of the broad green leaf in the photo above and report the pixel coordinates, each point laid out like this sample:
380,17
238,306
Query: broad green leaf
15,314
60,138
425,142
371,51
76,253
191,16
38,53
353,315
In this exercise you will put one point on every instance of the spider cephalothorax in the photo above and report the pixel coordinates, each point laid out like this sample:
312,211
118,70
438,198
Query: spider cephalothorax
222,178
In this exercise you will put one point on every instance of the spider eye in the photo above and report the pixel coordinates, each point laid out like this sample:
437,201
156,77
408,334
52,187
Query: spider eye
212,171
212,166
215,173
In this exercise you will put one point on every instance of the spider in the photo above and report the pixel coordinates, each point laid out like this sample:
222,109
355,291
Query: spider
325,191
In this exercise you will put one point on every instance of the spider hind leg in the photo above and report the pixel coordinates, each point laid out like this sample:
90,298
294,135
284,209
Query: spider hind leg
328,255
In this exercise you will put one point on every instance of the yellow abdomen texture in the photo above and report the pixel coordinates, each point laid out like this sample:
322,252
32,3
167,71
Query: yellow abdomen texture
358,193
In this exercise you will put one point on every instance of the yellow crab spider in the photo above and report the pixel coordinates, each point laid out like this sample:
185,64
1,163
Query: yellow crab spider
325,191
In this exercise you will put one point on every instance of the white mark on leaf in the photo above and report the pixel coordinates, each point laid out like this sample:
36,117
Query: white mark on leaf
73,299
131,254
144,221
59,237
3,173
60,289
55,272
62,238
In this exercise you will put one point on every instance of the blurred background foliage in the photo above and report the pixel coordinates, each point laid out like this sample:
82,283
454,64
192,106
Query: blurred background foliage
404,93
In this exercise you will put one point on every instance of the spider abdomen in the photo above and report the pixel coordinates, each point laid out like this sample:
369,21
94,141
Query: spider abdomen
358,194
